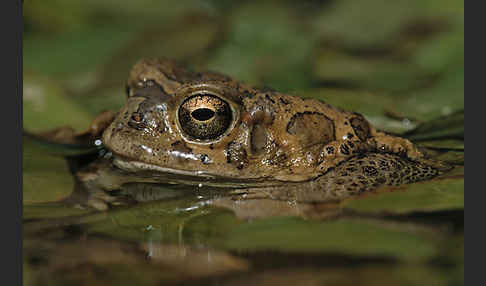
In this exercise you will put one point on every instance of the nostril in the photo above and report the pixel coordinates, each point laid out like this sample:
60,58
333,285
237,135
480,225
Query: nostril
137,121
137,117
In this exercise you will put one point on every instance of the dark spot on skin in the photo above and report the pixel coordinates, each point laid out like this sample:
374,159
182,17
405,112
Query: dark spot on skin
384,165
211,146
283,101
402,152
311,128
344,149
267,97
360,127
351,169
249,95
330,150
205,159
370,171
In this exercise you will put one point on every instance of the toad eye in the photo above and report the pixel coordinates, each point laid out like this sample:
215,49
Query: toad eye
205,116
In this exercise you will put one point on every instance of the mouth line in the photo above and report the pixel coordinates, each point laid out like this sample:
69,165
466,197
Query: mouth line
137,166
186,177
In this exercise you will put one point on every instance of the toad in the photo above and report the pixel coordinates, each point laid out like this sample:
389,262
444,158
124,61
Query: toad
205,129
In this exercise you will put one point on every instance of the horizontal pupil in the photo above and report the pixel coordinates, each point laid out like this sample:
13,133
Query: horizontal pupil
202,114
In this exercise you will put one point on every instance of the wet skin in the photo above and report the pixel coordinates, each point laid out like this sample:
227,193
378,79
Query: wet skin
205,129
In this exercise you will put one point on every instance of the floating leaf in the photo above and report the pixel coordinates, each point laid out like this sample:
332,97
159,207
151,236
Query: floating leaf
46,106
45,177
374,73
370,25
345,236
453,157
253,48
445,98
445,127
443,144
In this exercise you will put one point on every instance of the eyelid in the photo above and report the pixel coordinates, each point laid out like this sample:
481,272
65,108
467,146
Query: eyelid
142,84
147,89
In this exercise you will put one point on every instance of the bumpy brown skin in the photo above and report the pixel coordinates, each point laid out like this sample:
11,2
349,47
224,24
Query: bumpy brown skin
273,135
274,142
